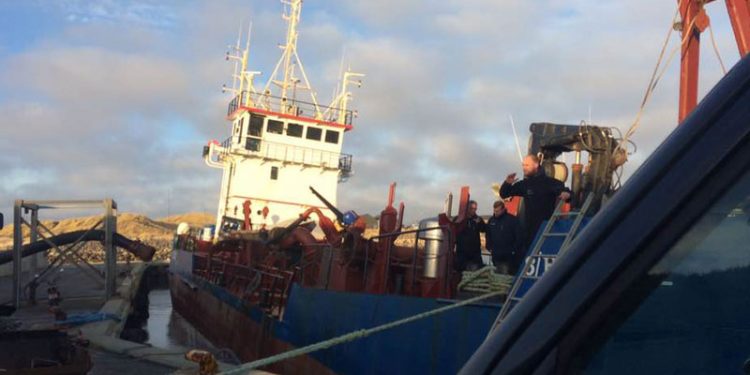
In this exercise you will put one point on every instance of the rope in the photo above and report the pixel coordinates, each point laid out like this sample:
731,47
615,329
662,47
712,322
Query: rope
351,336
651,86
485,280
656,76
716,49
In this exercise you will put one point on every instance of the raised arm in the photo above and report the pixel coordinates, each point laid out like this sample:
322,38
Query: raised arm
512,187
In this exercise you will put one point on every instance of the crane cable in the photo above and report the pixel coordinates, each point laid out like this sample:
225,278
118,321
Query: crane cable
716,49
656,76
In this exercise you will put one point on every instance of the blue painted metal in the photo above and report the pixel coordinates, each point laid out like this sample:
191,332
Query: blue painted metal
84,318
225,296
437,345
550,246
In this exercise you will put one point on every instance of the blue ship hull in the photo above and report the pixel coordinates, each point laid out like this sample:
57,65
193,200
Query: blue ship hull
439,344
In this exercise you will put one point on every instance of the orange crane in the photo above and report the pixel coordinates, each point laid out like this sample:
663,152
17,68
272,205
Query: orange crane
695,21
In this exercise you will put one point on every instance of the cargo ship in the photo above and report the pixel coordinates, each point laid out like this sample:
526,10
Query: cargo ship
283,267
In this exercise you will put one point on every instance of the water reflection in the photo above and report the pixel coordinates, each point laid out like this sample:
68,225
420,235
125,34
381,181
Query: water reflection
168,330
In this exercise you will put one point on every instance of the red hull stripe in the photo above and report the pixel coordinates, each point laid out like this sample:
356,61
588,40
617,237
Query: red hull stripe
290,117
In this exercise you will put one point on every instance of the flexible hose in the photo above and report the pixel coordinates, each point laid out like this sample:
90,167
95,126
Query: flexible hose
140,250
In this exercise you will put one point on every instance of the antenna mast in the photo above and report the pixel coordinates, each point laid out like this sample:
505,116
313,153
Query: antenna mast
286,80
244,77
337,111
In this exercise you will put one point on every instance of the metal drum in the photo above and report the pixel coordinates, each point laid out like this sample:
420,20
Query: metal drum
434,246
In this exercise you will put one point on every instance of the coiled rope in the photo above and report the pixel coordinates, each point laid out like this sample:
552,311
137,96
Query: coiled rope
485,280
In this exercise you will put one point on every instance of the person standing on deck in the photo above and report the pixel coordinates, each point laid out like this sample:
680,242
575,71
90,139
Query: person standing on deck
468,244
539,192
504,239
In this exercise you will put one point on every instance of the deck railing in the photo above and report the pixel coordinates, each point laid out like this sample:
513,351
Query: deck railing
291,154
291,107
264,287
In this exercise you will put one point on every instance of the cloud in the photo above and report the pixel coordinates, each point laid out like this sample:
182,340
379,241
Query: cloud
98,80
148,13
118,99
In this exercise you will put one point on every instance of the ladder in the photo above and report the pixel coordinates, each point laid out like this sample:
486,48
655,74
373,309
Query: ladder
538,262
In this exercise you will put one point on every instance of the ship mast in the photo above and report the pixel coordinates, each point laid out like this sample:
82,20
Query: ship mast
337,111
242,80
272,133
283,75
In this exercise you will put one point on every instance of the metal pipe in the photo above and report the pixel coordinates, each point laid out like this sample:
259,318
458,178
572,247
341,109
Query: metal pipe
384,287
577,184
16,253
140,250
33,236
406,232
110,252
414,262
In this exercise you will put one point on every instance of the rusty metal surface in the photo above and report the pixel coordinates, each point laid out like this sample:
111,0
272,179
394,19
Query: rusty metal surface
229,322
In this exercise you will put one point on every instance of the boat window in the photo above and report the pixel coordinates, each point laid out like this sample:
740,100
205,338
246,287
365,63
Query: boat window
332,136
688,314
256,126
314,133
252,144
274,173
294,130
275,127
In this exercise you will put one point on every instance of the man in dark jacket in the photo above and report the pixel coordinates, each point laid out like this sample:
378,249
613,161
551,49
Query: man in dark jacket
468,244
504,239
539,192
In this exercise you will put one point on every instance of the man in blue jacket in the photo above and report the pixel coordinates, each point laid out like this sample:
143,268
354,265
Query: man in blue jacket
539,192
504,240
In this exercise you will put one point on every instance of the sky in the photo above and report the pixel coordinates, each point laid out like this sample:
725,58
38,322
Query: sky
116,98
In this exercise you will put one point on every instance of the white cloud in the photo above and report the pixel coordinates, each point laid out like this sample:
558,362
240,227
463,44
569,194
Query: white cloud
92,105
136,12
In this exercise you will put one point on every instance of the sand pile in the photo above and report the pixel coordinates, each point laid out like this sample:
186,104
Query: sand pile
157,233
195,219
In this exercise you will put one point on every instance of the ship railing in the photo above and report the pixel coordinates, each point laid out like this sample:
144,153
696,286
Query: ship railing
289,153
417,259
314,267
227,144
293,107
262,286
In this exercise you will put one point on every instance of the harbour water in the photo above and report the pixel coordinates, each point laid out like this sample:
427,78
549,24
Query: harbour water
167,329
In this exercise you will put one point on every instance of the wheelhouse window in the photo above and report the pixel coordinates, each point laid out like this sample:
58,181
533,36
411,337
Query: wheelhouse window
275,127
252,144
256,126
314,133
274,173
332,136
688,314
294,130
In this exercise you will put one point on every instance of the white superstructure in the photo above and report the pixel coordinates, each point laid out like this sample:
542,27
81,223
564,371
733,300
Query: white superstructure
279,145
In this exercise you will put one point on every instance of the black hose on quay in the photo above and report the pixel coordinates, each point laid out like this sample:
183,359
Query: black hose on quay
137,248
